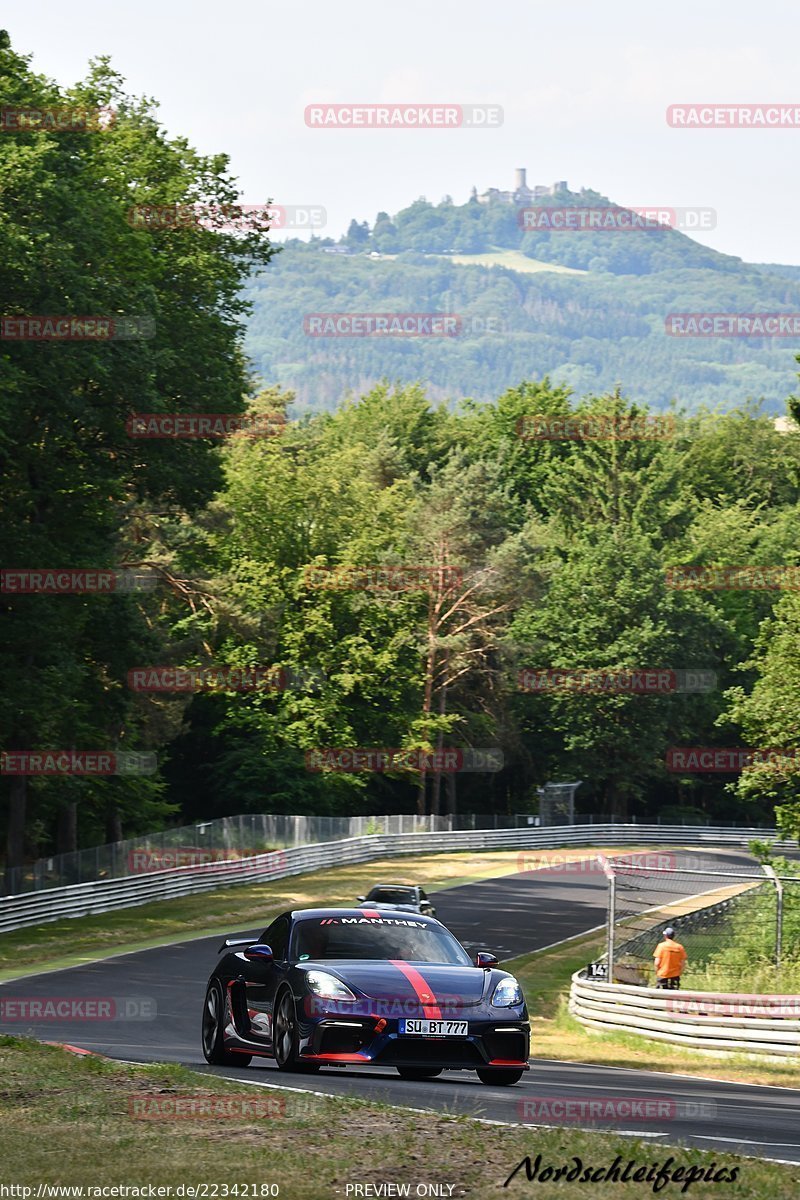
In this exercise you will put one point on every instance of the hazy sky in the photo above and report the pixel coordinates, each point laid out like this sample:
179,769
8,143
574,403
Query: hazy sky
584,86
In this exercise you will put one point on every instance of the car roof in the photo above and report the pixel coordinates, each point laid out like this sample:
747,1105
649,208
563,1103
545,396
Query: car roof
299,913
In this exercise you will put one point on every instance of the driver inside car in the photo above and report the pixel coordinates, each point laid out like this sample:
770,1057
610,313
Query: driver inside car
313,941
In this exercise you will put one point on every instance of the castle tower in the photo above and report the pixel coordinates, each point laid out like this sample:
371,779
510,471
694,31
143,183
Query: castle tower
519,179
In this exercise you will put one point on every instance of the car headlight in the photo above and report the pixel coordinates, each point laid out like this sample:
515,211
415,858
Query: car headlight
328,986
507,993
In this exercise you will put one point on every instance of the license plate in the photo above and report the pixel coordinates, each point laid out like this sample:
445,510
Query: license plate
434,1028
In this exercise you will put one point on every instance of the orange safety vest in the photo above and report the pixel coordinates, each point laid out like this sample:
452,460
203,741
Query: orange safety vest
670,957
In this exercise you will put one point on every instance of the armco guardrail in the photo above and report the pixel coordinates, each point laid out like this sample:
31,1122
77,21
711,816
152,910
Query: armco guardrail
724,1022
107,895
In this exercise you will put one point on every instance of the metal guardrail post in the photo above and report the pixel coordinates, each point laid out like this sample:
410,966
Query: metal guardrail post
612,914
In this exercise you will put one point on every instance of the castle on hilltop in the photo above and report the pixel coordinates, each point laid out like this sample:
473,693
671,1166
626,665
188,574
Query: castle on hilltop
521,194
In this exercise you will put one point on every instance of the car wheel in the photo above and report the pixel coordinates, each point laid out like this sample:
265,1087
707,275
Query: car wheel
213,1032
499,1078
285,1036
419,1072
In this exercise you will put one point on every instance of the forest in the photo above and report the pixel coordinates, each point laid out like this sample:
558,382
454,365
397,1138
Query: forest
589,309
390,573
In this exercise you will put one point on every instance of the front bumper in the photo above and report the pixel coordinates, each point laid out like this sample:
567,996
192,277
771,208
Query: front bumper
490,1042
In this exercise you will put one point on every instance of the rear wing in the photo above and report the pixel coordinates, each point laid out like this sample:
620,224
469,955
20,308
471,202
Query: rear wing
230,942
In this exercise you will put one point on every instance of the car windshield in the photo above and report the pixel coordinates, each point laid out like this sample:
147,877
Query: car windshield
372,937
392,895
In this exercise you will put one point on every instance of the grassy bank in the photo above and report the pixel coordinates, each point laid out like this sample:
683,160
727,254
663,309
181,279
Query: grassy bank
88,1121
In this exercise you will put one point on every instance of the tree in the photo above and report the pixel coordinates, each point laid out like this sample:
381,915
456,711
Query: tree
769,715
607,609
73,477
457,530
357,235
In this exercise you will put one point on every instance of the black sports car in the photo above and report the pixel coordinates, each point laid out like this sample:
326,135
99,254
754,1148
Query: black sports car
349,986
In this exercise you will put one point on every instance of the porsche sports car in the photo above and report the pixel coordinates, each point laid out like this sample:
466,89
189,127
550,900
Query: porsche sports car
347,986
398,895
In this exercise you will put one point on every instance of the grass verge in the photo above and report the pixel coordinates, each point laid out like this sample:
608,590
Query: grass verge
545,977
80,1122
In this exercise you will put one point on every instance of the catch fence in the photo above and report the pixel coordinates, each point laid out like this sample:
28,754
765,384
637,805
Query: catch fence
738,923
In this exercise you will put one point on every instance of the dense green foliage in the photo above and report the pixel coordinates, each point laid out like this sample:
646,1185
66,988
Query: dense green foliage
745,947
472,228
562,549
77,490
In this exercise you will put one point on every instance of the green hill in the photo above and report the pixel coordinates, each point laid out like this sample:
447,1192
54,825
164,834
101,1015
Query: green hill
587,308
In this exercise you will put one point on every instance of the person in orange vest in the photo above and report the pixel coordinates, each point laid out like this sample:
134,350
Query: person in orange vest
670,959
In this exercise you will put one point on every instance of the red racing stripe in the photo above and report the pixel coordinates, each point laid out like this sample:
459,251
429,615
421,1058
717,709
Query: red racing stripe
371,912
421,988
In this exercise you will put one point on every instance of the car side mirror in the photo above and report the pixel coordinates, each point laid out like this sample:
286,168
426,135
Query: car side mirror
259,953
485,960
362,898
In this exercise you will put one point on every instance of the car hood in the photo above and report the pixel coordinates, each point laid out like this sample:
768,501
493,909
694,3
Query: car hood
426,984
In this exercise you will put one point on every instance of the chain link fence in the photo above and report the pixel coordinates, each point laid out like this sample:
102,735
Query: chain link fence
205,842
740,927
227,838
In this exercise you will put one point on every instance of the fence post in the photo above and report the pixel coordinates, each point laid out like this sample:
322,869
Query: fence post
612,914
770,872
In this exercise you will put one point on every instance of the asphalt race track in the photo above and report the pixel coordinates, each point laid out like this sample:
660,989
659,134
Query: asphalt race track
510,915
